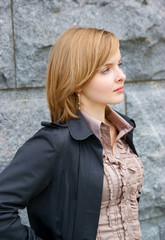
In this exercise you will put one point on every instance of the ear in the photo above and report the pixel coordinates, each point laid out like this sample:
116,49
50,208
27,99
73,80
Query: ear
78,91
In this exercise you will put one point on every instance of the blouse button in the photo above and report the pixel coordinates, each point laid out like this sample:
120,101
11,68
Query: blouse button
126,202
128,184
129,219
117,156
124,167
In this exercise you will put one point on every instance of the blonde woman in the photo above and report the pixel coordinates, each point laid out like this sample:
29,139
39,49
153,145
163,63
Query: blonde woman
79,176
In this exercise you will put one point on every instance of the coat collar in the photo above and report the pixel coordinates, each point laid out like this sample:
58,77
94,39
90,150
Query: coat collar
79,128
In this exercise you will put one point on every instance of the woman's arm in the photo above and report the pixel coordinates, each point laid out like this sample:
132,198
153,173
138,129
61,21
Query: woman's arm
28,174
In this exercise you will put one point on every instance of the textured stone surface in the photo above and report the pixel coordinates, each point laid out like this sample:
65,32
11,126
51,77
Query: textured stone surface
21,113
41,23
7,79
138,24
153,229
161,223
150,230
145,103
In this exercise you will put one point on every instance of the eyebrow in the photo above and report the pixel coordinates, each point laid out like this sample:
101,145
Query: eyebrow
109,64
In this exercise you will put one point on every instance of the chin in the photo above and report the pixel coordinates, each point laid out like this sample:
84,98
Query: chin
118,101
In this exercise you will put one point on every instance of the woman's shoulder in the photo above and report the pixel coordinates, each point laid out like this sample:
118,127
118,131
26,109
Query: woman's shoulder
52,132
55,128
49,132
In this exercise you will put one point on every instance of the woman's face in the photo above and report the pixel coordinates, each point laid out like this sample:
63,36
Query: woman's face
106,87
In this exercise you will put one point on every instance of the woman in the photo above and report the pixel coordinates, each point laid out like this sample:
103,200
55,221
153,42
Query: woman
79,176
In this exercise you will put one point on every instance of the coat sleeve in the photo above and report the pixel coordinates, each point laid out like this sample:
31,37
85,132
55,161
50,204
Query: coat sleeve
27,175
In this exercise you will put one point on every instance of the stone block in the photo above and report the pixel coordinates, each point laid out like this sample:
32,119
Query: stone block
145,104
138,24
161,223
21,113
7,78
37,25
150,230
140,27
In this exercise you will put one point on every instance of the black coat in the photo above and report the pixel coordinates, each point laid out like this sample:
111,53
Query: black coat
58,176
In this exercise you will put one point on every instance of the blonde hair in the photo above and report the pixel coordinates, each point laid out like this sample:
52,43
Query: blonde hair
75,58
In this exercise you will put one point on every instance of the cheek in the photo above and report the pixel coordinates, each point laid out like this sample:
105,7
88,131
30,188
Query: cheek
103,80
102,84
98,87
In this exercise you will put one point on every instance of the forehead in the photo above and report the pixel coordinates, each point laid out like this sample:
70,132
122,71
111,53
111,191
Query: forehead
114,59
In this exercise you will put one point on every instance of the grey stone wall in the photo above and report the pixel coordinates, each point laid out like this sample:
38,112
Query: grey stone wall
27,31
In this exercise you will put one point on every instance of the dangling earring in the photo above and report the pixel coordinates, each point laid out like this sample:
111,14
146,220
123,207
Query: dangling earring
78,95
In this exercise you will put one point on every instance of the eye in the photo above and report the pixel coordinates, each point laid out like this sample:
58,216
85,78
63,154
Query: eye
120,64
106,70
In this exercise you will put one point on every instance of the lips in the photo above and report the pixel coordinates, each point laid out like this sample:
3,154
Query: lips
119,89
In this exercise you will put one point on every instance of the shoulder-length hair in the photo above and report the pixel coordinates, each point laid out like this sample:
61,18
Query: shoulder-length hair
75,58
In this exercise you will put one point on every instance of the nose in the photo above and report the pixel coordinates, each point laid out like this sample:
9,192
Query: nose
120,76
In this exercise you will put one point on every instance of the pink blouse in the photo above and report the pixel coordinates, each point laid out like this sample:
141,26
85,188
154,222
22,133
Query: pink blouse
123,179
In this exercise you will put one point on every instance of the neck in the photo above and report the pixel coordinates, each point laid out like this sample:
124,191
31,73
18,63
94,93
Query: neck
97,112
